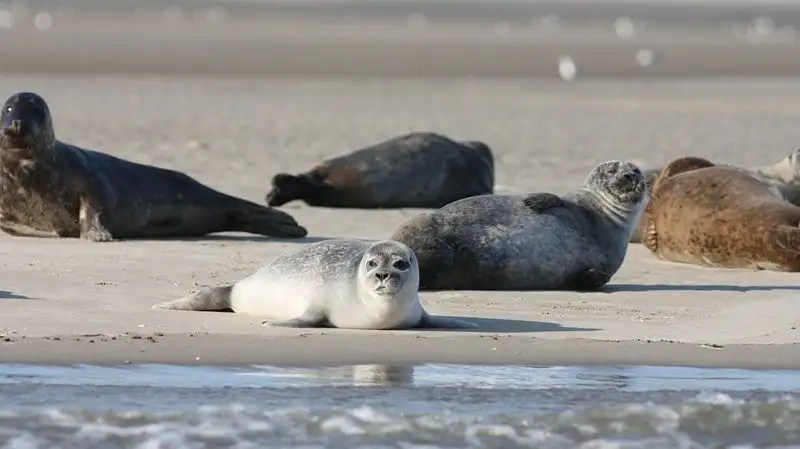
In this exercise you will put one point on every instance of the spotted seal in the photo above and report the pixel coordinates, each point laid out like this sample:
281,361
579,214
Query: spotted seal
719,216
420,169
783,177
49,188
540,241
333,283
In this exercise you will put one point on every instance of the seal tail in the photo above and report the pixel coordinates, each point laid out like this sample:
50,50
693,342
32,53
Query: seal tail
262,220
215,299
286,188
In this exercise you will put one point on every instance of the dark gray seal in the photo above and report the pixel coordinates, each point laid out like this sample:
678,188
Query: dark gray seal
536,242
420,169
334,283
49,188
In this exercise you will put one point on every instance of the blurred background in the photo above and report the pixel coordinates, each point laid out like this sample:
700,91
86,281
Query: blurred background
235,91
567,39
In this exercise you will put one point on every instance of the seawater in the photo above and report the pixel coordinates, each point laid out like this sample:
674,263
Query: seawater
379,406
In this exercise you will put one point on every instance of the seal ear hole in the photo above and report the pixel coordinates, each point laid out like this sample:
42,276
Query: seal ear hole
401,265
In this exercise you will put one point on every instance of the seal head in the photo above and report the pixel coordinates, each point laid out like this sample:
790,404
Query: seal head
388,268
26,123
617,188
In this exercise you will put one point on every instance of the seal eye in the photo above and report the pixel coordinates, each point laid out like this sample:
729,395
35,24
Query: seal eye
7,109
372,264
401,265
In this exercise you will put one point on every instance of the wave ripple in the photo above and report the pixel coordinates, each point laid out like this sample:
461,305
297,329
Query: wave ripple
707,420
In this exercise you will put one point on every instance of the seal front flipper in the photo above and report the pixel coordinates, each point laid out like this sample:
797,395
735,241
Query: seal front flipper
90,220
789,239
590,279
428,321
541,202
209,299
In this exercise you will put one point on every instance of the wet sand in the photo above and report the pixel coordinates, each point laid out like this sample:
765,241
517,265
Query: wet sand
235,133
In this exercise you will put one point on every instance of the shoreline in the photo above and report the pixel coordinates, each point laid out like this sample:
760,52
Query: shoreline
337,348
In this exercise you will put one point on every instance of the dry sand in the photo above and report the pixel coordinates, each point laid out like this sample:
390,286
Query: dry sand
70,301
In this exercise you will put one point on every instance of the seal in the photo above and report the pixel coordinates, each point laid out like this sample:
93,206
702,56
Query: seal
333,283
718,216
49,188
783,177
421,169
540,241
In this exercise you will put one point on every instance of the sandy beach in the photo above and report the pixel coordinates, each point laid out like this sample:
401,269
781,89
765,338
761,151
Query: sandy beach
70,301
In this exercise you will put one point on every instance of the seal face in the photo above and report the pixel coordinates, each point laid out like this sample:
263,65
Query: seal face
333,283
26,122
49,188
420,169
540,241
722,217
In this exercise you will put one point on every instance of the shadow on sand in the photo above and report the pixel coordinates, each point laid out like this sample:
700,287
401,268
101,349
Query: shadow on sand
514,326
235,238
4,294
610,288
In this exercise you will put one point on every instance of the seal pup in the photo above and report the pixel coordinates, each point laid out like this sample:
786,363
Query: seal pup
722,217
783,177
49,188
334,283
536,242
420,169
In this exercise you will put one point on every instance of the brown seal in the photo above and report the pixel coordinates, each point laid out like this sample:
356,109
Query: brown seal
420,169
719,216
49,188
783,176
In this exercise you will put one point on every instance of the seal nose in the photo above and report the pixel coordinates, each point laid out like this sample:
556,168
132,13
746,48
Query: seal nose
14,127
382,276
631,178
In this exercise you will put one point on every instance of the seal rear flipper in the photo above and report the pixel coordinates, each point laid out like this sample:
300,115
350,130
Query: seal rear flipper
541,202
428,321
590,279
287,188
266,221
215,299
